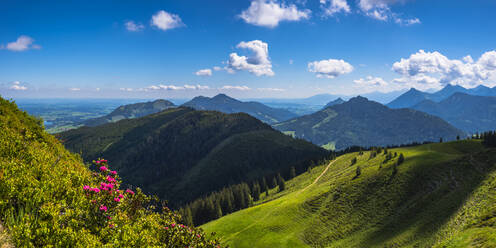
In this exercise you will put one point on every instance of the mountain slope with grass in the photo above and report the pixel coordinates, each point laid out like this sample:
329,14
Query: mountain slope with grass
441,195
129,111
49,198
226,104
181,154
467,112
366,123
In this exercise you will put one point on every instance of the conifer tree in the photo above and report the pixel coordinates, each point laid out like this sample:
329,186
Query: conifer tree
282,185
292,172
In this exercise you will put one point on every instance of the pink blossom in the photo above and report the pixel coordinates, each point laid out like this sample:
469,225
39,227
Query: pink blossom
103,208
121,196
117,199
86,187
198,235
96,190
166,228
103,168
173,224
113,173
110,179
130,191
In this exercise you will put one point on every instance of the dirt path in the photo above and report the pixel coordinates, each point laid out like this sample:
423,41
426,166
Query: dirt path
317,179
270,212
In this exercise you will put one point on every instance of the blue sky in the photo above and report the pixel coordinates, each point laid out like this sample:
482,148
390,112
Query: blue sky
252,48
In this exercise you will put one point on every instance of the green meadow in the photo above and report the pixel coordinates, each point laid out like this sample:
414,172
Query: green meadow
442,195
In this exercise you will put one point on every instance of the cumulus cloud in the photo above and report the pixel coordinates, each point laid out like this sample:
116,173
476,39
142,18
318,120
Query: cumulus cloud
230,87
165,21
437,70
204,72
134,27
370,83
381,10
16,85
22,43
268,13
175,87
332,7
330,68
257,63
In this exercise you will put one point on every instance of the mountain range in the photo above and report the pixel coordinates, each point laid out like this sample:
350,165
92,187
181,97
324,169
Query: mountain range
181,154
414,96
131,111
366,123
226,104
467,112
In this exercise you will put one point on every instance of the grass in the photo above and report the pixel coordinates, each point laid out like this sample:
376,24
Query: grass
442,195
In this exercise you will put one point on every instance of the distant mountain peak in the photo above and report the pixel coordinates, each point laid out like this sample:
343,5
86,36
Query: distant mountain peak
358,99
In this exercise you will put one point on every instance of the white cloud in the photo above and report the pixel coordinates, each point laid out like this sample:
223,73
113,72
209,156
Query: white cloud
369,84
165,21
134,27
332,7
74,89
204,72
230,87
381,10
434,65
16,85
257,63
126,89
268,13
175,87
371,81
217,68
488,60
330,68
97,89
271,89
22,43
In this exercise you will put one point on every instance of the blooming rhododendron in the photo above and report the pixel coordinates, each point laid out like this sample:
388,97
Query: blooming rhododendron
103,208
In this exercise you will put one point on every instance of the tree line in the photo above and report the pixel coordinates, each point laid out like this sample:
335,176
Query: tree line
232,199
488,138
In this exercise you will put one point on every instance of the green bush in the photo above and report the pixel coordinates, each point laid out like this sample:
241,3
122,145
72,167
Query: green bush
48,197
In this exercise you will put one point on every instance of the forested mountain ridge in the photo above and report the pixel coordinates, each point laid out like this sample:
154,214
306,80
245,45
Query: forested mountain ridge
366,123
181,154
226,104
467,112
131,111
414,96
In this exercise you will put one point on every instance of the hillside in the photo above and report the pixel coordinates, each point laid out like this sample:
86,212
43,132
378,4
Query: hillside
228,105
413,96
181,154
440,196
49,198
335,102
366,123
467,112
129,111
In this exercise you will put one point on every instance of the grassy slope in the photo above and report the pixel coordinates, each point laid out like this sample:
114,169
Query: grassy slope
443,195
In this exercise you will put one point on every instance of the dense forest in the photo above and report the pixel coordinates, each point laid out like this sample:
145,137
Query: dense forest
182,154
